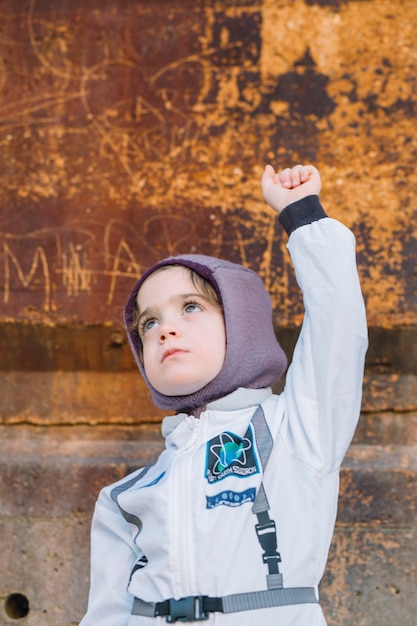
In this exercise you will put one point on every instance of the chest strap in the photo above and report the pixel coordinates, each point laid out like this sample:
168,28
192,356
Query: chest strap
197,608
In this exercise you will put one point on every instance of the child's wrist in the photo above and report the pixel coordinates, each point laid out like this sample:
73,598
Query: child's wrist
301,212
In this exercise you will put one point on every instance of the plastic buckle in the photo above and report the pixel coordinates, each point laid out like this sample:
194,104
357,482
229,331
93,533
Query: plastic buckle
267,537
189,609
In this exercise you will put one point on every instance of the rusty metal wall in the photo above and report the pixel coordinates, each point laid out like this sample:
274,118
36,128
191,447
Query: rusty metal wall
130,132
133,130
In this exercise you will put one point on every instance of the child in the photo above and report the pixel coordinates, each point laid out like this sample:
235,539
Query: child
233,522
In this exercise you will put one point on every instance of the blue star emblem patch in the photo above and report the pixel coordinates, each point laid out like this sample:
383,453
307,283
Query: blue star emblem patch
228,454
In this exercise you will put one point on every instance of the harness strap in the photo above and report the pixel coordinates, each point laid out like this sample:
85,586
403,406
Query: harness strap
264,438
196,608
265,528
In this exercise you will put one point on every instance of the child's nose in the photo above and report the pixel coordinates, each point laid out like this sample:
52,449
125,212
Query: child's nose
165,332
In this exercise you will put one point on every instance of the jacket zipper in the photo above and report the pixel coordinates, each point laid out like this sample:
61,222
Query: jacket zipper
182,534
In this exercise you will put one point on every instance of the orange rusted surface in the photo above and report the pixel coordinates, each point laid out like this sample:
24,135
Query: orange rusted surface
129,133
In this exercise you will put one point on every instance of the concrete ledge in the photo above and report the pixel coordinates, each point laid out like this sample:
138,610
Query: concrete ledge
48,472
59,471
27,345
378,487
58,398
75,398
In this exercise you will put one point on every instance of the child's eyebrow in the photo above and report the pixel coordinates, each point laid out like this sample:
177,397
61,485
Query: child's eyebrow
177,297
196,294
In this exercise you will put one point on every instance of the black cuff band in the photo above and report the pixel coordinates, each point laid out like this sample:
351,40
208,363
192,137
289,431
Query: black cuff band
302,212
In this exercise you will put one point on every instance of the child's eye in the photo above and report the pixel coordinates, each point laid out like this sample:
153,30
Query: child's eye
192,307
147,325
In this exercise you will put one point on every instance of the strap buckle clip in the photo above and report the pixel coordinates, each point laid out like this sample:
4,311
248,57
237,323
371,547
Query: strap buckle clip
188,609
268,539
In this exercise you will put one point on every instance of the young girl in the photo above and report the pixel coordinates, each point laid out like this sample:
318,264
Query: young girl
233,522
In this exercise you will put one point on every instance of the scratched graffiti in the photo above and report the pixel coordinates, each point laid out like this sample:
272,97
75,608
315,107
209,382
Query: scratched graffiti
128,134
46,269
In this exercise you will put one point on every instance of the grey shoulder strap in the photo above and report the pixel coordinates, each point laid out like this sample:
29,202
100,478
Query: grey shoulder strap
266,528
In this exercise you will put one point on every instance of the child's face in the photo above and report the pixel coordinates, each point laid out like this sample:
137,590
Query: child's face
182,333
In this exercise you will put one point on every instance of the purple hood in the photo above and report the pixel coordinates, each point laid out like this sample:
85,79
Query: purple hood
254,358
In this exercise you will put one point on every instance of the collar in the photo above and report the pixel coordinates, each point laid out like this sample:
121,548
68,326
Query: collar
241,398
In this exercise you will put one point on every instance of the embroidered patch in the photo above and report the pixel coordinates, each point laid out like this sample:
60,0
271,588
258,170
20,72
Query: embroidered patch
227,454
231,498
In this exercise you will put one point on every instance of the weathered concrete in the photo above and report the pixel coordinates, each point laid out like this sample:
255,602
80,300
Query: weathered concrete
50,480
51,477
371,578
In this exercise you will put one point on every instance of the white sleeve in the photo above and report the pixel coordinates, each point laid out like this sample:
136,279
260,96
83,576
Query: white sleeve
324,382
113,557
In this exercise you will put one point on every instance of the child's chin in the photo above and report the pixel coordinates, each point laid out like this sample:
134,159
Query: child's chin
182,389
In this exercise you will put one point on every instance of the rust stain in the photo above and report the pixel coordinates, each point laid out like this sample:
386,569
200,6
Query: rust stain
106,124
